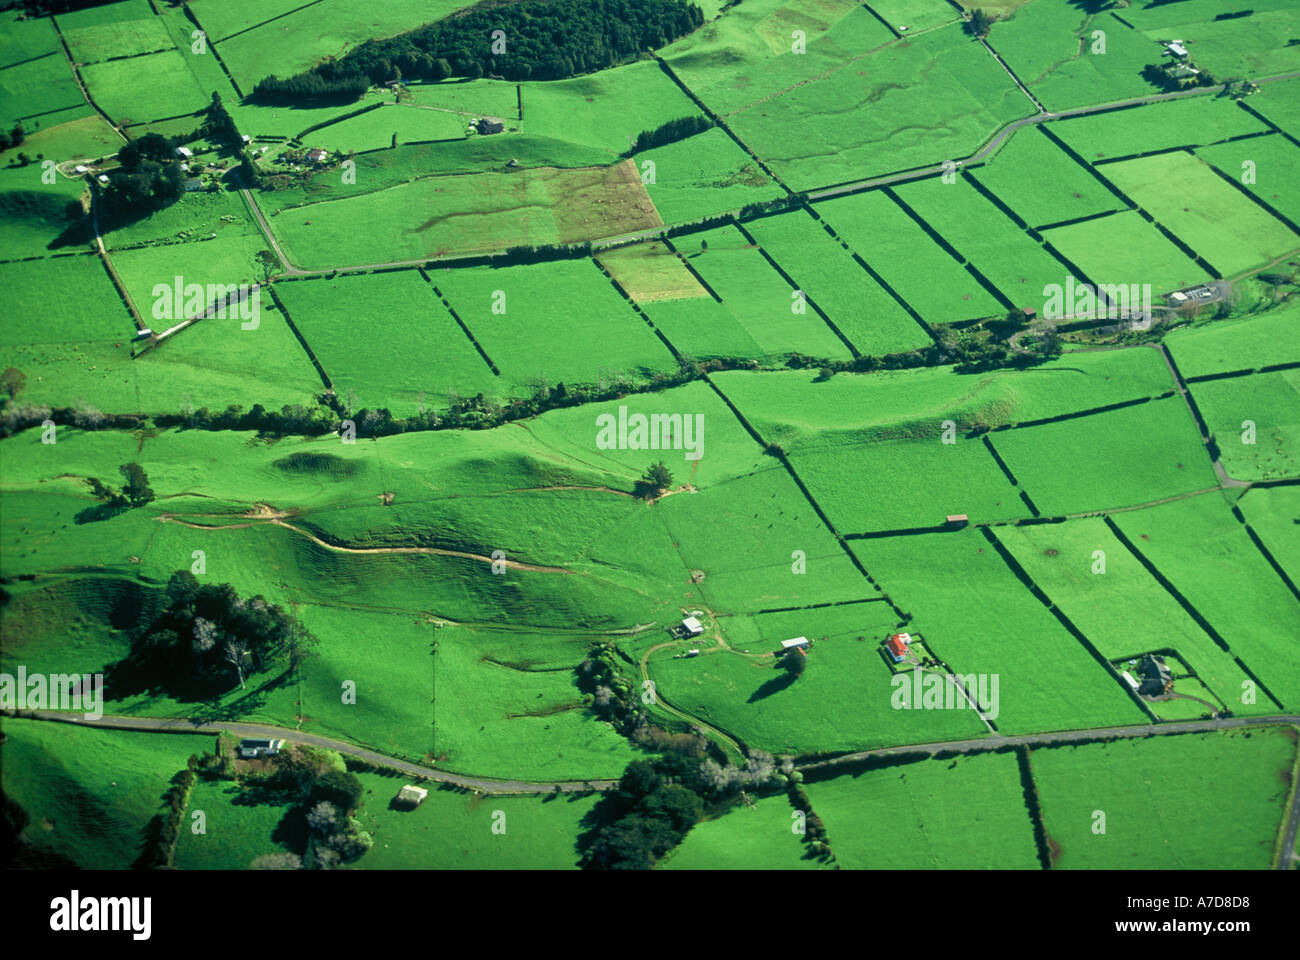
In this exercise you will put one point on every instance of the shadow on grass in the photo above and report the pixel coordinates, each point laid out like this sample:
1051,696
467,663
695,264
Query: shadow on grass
772,687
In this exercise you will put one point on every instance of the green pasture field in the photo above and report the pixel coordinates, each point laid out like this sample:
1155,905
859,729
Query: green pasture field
1273,513
191,220
172,89
758,298
787,408
86,137
105,14
1245,343
1051,48
857,484
464,214
1221,224
1209,801
498,717
260,120
905,817
227,258
221,18
375,130
1271,402
1120,458
1253,46
914,14
703,328
605,110
90,793
728,451
73,297
763,519
841,702
1276,166
328,29
1124,612
990,241
945,580
143,33
534,338
703,175
1162,16
470,98
202,64
896,247
747,55
933,97
434,357
26,39
37,88
1041,182
1208,556
452,830
1124,248
1186,122
236,834
37,217
650,272
753,837
1280,103
826,272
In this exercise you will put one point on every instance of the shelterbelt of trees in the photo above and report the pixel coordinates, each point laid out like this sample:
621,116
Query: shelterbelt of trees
537,40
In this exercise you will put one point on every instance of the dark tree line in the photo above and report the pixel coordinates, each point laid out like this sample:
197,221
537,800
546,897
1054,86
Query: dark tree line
670,132
544,40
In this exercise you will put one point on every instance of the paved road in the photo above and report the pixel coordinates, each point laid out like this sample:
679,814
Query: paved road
185,725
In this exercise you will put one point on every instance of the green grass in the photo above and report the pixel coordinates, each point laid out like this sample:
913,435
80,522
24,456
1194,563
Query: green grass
1116,459
757,837
1124,248
90,793
375,129
1041,182
703,175
1246,343
454,831
945,581
1124,611
935,96
534,337
172,89
37,88
1271,402
827,273
235,834
1274,163
142,32
26,39
1211,560
1192,802
434,357
1220,224
896,247
1277,102
74,298
1192,121
1010,259
1273,513
221,18
905,817
650,272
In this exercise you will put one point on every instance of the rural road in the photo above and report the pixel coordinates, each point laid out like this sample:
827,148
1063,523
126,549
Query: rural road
186,725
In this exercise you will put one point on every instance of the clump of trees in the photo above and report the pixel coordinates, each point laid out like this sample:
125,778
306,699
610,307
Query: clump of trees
670,132
135,492
150,176
979,23
13,137
794,662
207,639
544,40
653,815
164,829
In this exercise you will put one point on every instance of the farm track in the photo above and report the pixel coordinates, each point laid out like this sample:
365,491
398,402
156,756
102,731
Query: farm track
338,548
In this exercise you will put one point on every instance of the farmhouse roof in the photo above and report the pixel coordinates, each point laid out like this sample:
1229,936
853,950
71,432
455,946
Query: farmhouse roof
896,647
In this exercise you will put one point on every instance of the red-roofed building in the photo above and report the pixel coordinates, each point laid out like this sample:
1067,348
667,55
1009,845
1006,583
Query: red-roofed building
897,646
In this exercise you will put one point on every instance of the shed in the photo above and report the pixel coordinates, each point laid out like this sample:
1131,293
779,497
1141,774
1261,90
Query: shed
185,152
80,168
411,795
250,749
691,627
103,178
957,519
1176,48
798,643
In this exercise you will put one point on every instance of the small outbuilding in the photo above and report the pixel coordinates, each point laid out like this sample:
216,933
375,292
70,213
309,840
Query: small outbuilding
185,152
798,643
252,749
1176,48
691,627
412,796
956,520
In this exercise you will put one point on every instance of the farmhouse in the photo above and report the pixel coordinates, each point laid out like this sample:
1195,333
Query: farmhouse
488,125
690,627
1157,678
411,796
79,168
317,155
103,178
251,749
897,646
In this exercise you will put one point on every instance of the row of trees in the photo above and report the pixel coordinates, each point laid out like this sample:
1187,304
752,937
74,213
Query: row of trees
670,132
530,40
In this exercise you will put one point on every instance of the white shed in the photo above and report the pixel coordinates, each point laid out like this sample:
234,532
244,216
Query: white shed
796,643
412,795
692,627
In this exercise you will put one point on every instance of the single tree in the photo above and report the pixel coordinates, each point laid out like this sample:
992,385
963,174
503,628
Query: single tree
656,479
979,23
237,655
136,489
12,381
795,662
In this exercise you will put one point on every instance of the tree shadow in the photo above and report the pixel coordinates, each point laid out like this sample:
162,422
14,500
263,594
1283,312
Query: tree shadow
100,512
772,687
